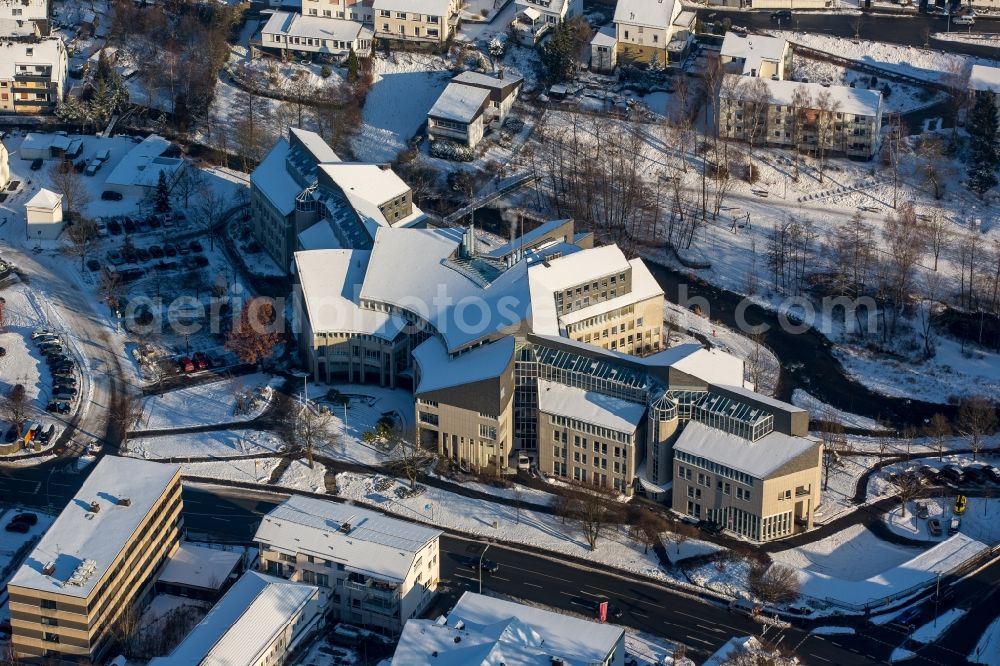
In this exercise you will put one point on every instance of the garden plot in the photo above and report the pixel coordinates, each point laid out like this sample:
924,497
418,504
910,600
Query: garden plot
208,404
513,525
217,444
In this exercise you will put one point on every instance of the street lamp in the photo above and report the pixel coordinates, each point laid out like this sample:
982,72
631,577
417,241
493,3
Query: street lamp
305,385
481,555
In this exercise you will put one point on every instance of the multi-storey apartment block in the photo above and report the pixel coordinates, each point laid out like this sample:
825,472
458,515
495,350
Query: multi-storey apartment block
370,570
100,557
32,74
430,22
24,18
302,197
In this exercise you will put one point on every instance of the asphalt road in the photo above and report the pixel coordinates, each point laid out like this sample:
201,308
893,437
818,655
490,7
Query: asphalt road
907,30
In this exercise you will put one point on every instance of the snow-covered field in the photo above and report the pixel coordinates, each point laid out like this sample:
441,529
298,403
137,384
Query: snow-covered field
405,88
218,444
678,549
852,554
205,404
257,470
476,516
23,363
301,477
824,412
725,577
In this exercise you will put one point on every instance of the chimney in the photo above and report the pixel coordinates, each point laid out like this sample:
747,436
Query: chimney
500,73
124,501
95,507
49,568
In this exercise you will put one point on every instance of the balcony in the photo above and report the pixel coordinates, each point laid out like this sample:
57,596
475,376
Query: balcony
802,492
358,585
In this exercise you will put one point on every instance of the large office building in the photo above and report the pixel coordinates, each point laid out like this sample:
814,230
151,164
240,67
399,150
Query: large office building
370,570
99,557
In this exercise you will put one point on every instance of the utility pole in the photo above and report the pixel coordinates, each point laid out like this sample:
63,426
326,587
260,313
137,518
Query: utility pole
483,554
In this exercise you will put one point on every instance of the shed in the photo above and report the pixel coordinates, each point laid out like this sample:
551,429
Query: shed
45,215
604,50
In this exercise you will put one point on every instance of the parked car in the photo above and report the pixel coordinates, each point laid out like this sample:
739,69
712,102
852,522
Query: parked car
953,473
114,228
3,352
186,364
46,435
488,566
93,265
116,258
993,473
143,254
975,473
183,250
954,525
57,407
103,156
129,225
200,360
41,333
781,15
934,527
36,164
170,250
153,222
156,251
129,255
109,195
93,166
79,166
28,518
22,528
923,511
908,618
200,261
196,246
964,19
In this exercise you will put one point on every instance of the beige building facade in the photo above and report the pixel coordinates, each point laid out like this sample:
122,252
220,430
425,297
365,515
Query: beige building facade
99,559
430,22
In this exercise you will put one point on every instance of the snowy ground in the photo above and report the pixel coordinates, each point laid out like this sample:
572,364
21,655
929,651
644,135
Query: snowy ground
301,477
219,444
988,648
981,520
366,406
683,549
10,542
727,577
822,411
838,495
405,88
249,470
324,652
206,404
476,516
936,628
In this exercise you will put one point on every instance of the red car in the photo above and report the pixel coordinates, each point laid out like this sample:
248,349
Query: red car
200,360
186,364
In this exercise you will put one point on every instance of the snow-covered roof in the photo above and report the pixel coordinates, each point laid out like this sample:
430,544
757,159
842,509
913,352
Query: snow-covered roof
244,623
143,164
459,103
330,280
652,13
273,180
855,101
294,24
429,7
553,8
197,566
491,81
31,10
528,240
440,371
774,403
375,545
549,277
605,37
644,286
685,19
372,182
44,198
79,535
314,143
753,49
984,77
733,647
758,459
319,236
590,407
531,13
49,51
485,630
712,366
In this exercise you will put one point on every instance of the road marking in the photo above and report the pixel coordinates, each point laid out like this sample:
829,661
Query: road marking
714,630
458,575
635,612
503,579
648,603
816,656
531,584
698,640
538,573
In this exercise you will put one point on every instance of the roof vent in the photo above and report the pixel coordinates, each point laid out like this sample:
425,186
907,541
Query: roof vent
49,568
460,625
558,661
345,528
458,639
95,507
434,654
124,501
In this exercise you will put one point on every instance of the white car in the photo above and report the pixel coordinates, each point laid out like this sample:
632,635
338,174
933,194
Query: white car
965,19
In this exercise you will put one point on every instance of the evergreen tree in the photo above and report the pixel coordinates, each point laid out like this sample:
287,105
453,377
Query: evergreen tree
352,66
558,55
981,124
162,199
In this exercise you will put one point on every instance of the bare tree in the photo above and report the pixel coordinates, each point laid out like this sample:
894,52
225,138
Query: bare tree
407,458
834,446
977,417
773,584
312,429
754,97
594,511
67,182
826,126
125,628
111,289
124,415
938,235
82,237
15,407
902,233
802,118
907,488
209,211
188,184
893,147
756,362
933,165
938,430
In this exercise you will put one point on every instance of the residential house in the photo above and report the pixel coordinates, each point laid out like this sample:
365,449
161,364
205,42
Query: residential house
487,630
984,79
431,22
370,570
99,558
552,12
755,55
804,116
604,50
260,621
45,215
137,174
33,75
350,10
529,26
644,31
470,103
24,18
297,33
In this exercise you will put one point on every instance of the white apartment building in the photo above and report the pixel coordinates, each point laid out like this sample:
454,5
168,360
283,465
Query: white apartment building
755,55
552,11
24,18
33,75
485,630
428,21
371,570
356,10
260,621
289,31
